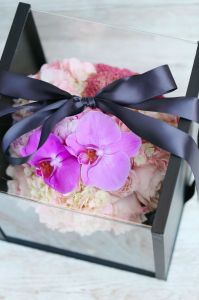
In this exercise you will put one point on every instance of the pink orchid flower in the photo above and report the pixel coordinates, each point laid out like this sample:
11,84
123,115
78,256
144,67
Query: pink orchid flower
59,169
103,151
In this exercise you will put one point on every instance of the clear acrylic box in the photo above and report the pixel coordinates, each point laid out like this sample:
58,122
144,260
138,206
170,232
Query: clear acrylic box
36,37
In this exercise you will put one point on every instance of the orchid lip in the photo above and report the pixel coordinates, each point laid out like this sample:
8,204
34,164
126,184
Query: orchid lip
45,168
48,166
90,155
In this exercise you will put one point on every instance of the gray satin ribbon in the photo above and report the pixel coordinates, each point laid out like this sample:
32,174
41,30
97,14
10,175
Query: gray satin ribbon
139,92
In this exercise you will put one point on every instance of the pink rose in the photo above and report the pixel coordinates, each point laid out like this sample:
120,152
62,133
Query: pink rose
128,209
149,179
129,187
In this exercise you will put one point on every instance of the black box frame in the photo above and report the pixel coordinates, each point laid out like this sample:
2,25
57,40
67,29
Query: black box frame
167,218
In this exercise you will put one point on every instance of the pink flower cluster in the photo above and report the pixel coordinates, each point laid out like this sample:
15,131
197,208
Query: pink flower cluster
98,153
91,162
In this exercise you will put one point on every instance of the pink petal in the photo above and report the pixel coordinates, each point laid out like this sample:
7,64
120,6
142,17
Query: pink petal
32,143
72,145
129,143
66,177
51,148
97,129
109,174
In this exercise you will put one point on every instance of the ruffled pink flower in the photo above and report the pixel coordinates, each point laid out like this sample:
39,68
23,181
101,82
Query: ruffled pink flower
103,151
59,169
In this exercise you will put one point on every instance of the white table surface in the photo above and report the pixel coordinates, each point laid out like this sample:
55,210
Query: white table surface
27,274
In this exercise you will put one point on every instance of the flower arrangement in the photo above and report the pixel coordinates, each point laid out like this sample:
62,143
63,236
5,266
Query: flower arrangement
91,162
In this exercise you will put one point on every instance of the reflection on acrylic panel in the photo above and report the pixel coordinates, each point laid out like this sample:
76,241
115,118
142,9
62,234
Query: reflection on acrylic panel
61,228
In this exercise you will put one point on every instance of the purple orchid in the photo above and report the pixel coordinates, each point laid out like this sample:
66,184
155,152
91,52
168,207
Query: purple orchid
59,169
103,151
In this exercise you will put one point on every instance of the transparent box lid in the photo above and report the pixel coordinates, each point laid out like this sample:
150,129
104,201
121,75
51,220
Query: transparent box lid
121,46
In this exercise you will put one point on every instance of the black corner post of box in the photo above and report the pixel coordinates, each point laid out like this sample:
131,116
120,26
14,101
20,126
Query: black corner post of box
174,194
23,42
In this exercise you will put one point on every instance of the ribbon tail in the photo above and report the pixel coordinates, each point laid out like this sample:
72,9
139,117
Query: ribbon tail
158,133
30,106
184,107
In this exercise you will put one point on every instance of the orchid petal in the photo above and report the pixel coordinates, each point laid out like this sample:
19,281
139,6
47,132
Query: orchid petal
66,177
73,146
50,149
109,174
129,143
97,129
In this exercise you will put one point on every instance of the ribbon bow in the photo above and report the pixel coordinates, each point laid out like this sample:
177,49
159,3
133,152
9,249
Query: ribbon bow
139,92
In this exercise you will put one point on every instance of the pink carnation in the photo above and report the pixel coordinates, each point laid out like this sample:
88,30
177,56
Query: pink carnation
105,75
